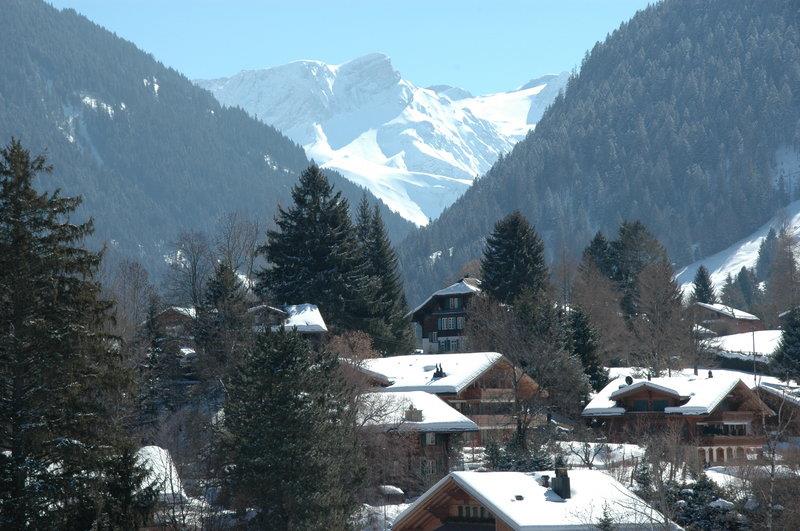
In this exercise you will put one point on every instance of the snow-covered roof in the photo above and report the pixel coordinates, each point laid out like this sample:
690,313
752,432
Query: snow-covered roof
162,473
188,311
416,372
305,318
388,410
728,311
702,394
465,286
521,502
741,346
782,390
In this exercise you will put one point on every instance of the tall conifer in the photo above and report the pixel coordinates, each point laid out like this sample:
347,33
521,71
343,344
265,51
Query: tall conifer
313,256
59,372
703,288
513,261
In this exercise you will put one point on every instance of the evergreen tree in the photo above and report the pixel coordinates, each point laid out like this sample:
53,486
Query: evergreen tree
747,284
130,493
766,254
731,295
703,288
598,252
59,375
363,221
786,361
222,328
634,249
288,436
313,255
513,260
606,523
391,328
584,345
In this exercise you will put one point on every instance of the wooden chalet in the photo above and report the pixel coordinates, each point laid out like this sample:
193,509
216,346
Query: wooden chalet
439,322
480,385
725,320
719,415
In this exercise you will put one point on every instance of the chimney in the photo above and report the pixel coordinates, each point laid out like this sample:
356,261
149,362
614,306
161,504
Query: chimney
710,374
544,481
561,483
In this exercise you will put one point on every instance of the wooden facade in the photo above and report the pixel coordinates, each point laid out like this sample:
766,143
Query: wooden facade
732,430
440,321
489,401
723,324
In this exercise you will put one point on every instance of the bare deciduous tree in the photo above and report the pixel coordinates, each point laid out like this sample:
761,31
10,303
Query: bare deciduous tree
190,268
236,241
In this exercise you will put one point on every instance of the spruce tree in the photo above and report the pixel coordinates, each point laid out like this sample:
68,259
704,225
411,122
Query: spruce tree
222,328
584,345
59,373
703,288
605,523
598,252
634,249
513,260
766,254
391,328
786,360
288,436
313,256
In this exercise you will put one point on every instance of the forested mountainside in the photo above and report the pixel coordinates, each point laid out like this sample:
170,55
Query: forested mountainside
150,152
686,118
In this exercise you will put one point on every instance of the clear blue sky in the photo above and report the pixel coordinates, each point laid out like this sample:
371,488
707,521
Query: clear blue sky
483,46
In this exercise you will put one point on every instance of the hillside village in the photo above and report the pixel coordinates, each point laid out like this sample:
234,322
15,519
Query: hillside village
287,372
204,329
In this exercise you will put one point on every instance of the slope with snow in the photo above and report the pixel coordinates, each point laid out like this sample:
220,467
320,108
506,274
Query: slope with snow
743,253
418,149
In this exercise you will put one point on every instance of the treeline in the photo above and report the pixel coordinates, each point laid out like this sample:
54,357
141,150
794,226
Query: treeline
253,419
676,119
150,152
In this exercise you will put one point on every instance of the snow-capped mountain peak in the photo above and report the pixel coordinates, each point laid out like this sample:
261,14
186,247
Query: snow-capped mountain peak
416,148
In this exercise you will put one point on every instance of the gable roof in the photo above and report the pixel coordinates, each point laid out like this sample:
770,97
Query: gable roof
728,311
305,318
702,394
782,391
519,500
740,346
388,411
465,286
416,372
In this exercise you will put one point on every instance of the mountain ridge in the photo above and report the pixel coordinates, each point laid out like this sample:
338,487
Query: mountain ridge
415,148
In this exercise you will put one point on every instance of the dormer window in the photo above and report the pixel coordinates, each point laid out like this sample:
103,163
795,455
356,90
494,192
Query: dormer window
454,303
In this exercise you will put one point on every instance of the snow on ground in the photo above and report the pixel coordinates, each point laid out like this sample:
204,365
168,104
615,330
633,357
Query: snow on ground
379,517
608,454
743,253
742,346
418,149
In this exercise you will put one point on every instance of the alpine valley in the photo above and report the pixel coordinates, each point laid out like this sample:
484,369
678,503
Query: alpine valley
417,149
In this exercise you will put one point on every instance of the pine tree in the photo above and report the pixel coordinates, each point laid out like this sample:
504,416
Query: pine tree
313,256
391,328
513,260
288,436
786,360
703,288
584,345
59,374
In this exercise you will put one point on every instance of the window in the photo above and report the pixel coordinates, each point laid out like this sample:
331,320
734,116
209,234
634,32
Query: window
433,336
430,439
454,303
454,345
460,323
447,323
659,405
640,405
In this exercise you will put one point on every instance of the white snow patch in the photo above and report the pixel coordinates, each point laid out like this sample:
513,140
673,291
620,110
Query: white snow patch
762,343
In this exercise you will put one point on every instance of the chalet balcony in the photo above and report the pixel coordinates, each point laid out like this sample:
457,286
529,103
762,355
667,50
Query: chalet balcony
731,440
